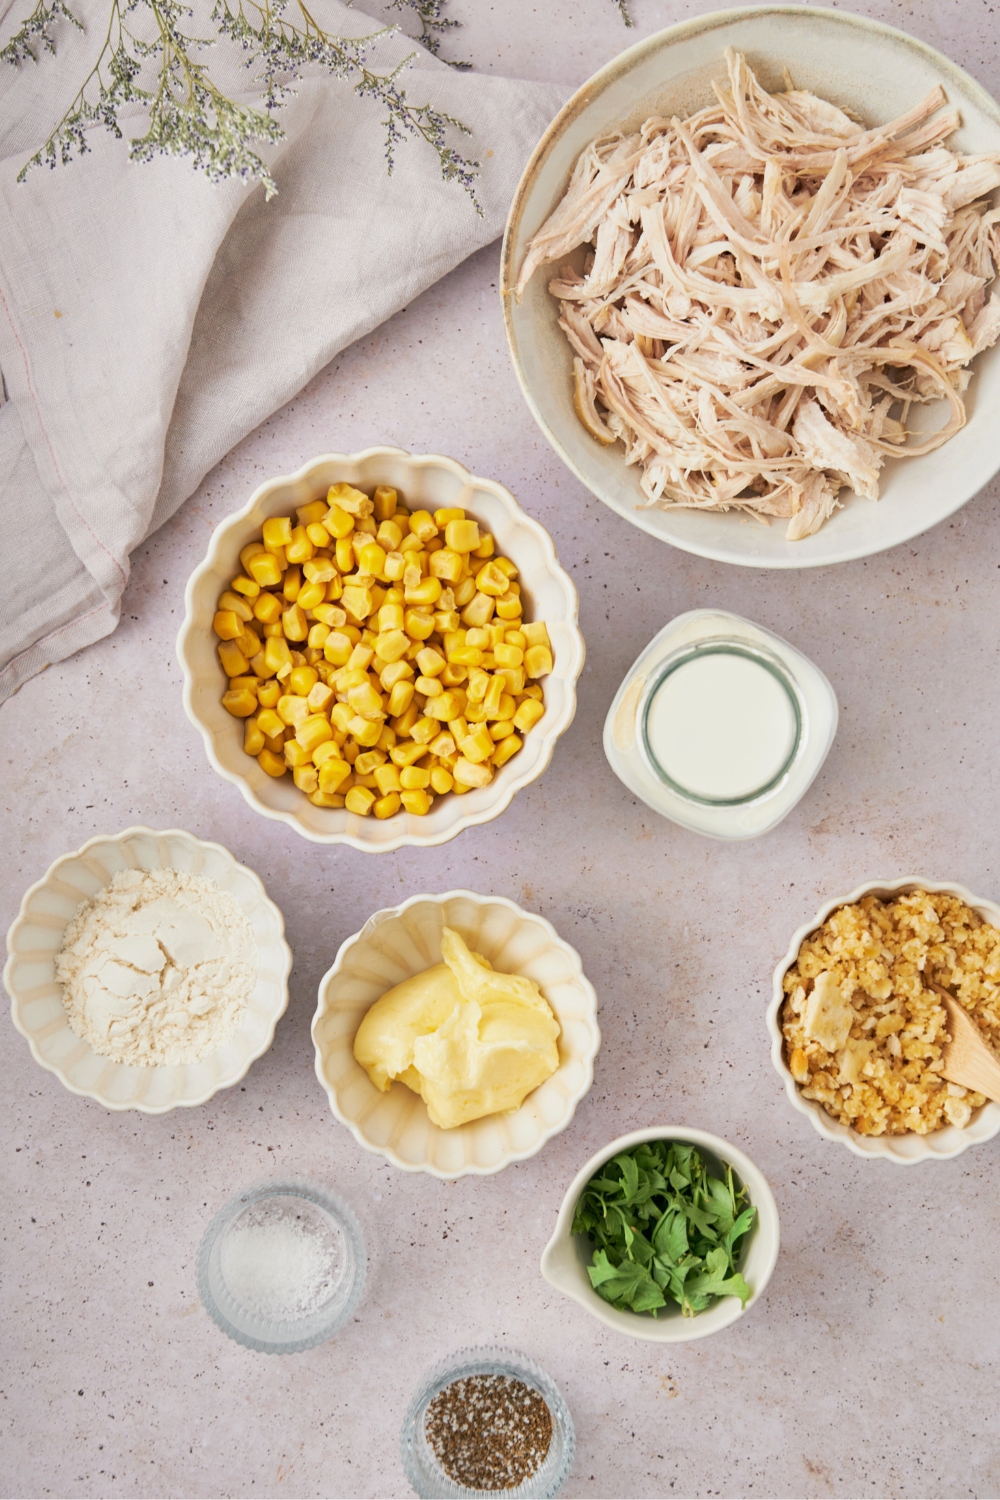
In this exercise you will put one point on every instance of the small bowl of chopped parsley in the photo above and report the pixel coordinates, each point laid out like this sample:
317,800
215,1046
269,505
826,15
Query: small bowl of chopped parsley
667,1234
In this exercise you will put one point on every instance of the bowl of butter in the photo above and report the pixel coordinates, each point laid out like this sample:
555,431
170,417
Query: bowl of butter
455,1034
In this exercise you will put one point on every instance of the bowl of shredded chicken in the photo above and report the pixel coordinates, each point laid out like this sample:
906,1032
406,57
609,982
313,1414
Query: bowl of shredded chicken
750,286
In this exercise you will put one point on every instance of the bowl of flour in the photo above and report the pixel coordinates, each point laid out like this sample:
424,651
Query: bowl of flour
148,970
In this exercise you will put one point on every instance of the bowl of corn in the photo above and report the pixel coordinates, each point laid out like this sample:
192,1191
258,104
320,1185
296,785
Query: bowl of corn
380,649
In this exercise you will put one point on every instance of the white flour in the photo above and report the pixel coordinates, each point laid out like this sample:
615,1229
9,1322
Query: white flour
156,968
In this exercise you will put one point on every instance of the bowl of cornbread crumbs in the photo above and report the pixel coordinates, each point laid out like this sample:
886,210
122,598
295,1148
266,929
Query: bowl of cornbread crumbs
858,1034
380,649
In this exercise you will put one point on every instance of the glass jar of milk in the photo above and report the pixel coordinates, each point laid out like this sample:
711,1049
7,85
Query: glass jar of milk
720,725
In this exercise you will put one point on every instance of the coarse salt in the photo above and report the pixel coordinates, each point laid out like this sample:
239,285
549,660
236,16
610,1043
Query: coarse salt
277,1264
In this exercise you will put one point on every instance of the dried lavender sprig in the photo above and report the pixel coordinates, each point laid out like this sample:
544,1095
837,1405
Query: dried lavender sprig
433,24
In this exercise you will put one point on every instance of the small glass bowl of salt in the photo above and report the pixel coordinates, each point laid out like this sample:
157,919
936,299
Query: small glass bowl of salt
282,1267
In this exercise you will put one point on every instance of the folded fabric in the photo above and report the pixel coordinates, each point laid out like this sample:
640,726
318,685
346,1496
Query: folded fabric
150,319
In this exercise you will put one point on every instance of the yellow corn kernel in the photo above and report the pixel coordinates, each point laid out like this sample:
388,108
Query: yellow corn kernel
514,678
302,681
291,584
507,747
491,699
404,722
325,799
341,715
360,658
268,694
330,614
419,626
248,641
392,645
253,738
354,501
430,662
464,591
359,800
536,633
476,713
515,637
270,723
313,732
238,605
294,624
318,534
292,709
390,618
386,806
227,625
400,699
337,522
462,536
443,744
314,511
332,773
310,595
507,656
395,566
384,502
337,648
299,548
479,610
528,713
465,656
470,774
357,601
240,702
305,778
371,559
446,706
533,691
369,761
344,553
296,754
273,764
429,686
414,778
277,531
395,671
486,546
234,663
509,607
454,674
491,580
441,780
424,730
446,621
318,636
538,661
267,609
366,701
320,695
417,801
405,755
422,525
365,731
389,536
265,570
427,591
252,549
328,750
361,780
477,746
387,779
246,586
505,708
500,729
276,746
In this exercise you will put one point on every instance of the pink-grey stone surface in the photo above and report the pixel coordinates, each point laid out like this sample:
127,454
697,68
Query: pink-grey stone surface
870,1366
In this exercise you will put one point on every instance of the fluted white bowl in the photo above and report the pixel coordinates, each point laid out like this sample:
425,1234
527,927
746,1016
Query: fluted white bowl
432,482
36,1003
856,62
567,1255
904,1150
405,940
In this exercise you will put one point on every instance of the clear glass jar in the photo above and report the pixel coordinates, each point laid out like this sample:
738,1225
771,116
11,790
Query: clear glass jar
271,1204
769,768
424,1472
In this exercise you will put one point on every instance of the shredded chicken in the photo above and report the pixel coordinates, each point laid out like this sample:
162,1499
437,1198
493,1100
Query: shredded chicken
768,289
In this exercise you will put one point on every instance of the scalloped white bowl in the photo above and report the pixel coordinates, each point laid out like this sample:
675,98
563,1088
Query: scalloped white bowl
36,1004
566,1257
405,940
860,63
904,1150
427,480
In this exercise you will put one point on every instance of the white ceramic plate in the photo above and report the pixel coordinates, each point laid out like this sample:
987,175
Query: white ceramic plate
566,1256
406,940
427,480
871,68
907,1149
36,1004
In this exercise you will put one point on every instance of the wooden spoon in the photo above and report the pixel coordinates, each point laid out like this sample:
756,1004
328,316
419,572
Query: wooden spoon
968,1060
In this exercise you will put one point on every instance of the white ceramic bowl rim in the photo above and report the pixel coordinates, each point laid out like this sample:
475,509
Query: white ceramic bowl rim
672,1330
903,1150
911,521
516,774
23,916
469,1168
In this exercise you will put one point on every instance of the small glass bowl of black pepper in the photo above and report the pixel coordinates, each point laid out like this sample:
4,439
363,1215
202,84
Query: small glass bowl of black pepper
487,1422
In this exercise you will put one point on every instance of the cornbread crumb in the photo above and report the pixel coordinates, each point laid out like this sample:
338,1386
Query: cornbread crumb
864,1036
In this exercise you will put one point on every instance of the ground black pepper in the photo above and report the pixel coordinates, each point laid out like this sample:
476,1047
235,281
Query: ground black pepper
489,1432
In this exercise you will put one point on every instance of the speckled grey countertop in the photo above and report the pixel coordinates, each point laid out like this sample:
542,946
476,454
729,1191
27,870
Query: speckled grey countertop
869,1368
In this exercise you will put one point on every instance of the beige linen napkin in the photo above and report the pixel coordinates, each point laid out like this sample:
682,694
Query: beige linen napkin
150,319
